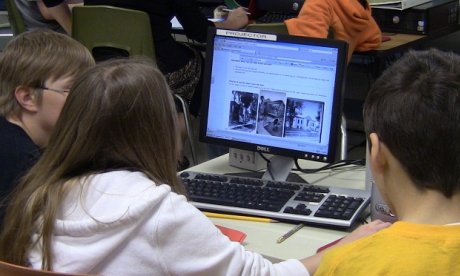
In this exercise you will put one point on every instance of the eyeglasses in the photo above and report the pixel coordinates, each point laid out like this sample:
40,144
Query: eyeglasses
55,90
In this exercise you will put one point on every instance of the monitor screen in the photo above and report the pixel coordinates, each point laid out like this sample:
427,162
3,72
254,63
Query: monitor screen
274,94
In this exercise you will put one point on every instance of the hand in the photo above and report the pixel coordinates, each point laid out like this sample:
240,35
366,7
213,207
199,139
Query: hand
364,231
236,19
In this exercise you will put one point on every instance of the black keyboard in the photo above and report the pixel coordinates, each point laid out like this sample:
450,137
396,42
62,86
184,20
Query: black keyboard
284,201
275,17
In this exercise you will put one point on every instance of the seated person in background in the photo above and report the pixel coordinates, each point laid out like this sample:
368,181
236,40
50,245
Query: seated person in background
37,69
412,117
181,64
51,14
348,20
105,198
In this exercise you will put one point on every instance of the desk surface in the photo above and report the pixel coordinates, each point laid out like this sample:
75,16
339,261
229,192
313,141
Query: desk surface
261,237
397,40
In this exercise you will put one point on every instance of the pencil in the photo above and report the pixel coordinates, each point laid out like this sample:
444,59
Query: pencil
238,217
229,10
289,233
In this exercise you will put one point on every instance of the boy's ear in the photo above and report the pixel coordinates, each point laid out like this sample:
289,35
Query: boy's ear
26,98
377,154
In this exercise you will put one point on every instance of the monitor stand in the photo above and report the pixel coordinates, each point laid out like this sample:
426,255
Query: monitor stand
280,168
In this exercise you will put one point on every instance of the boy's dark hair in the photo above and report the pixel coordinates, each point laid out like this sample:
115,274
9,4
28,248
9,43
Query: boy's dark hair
414,108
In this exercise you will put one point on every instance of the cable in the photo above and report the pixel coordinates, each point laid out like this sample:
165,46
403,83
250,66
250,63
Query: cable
338,164
334,165
269,168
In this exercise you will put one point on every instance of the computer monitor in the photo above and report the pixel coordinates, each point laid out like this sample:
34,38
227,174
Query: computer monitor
275,94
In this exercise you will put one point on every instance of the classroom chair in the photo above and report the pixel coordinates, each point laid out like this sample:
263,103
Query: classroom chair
15,18
7,269
107,30
231,4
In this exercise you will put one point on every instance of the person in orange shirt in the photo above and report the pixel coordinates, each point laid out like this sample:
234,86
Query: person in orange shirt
348,20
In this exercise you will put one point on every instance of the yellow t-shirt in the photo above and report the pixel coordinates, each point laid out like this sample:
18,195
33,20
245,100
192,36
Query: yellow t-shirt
402,249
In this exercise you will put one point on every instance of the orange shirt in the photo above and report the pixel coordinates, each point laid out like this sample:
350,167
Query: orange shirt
349,20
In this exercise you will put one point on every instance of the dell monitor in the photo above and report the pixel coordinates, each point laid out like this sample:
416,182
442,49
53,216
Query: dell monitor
274,94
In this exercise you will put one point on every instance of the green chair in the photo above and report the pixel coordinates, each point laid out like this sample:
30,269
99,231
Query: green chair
272,28
231,4
15,17
106,27
110,30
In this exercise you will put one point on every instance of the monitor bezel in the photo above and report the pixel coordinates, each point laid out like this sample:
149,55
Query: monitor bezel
337,106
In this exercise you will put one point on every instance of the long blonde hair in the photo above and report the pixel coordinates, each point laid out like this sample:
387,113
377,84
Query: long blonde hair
119,115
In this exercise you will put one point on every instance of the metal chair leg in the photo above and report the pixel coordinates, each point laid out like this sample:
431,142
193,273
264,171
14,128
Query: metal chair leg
344,139
188,126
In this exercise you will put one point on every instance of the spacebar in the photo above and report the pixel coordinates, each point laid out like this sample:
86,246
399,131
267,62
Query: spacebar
213,200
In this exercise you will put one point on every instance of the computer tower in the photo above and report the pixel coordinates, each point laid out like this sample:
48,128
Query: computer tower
431,18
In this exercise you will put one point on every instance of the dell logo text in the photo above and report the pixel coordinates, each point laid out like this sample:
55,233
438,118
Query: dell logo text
264,149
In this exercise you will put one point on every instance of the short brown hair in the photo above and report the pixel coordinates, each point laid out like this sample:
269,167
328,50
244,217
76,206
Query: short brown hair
32,58
414,108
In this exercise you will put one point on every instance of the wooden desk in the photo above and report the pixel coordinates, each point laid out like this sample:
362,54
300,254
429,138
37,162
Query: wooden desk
261,237
377,60
393,48
397,42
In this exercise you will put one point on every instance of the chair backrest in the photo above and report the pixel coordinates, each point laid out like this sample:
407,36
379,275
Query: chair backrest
273,28
105,28
102,28
231,4
7,269
15,17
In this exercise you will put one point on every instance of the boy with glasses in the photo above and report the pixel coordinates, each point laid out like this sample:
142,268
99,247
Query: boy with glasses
37,69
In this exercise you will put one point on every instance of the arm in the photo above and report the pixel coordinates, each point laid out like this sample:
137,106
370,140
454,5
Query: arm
314,19
195,24
190,244
236,19
312,263
60,13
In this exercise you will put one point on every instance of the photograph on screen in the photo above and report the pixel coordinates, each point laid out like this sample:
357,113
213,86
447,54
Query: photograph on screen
272,106
243,111
304,119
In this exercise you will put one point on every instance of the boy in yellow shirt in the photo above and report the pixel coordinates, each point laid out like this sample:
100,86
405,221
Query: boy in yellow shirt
412,119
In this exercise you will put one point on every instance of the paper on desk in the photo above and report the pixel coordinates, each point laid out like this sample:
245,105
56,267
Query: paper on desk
176,25
396,4
232,234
